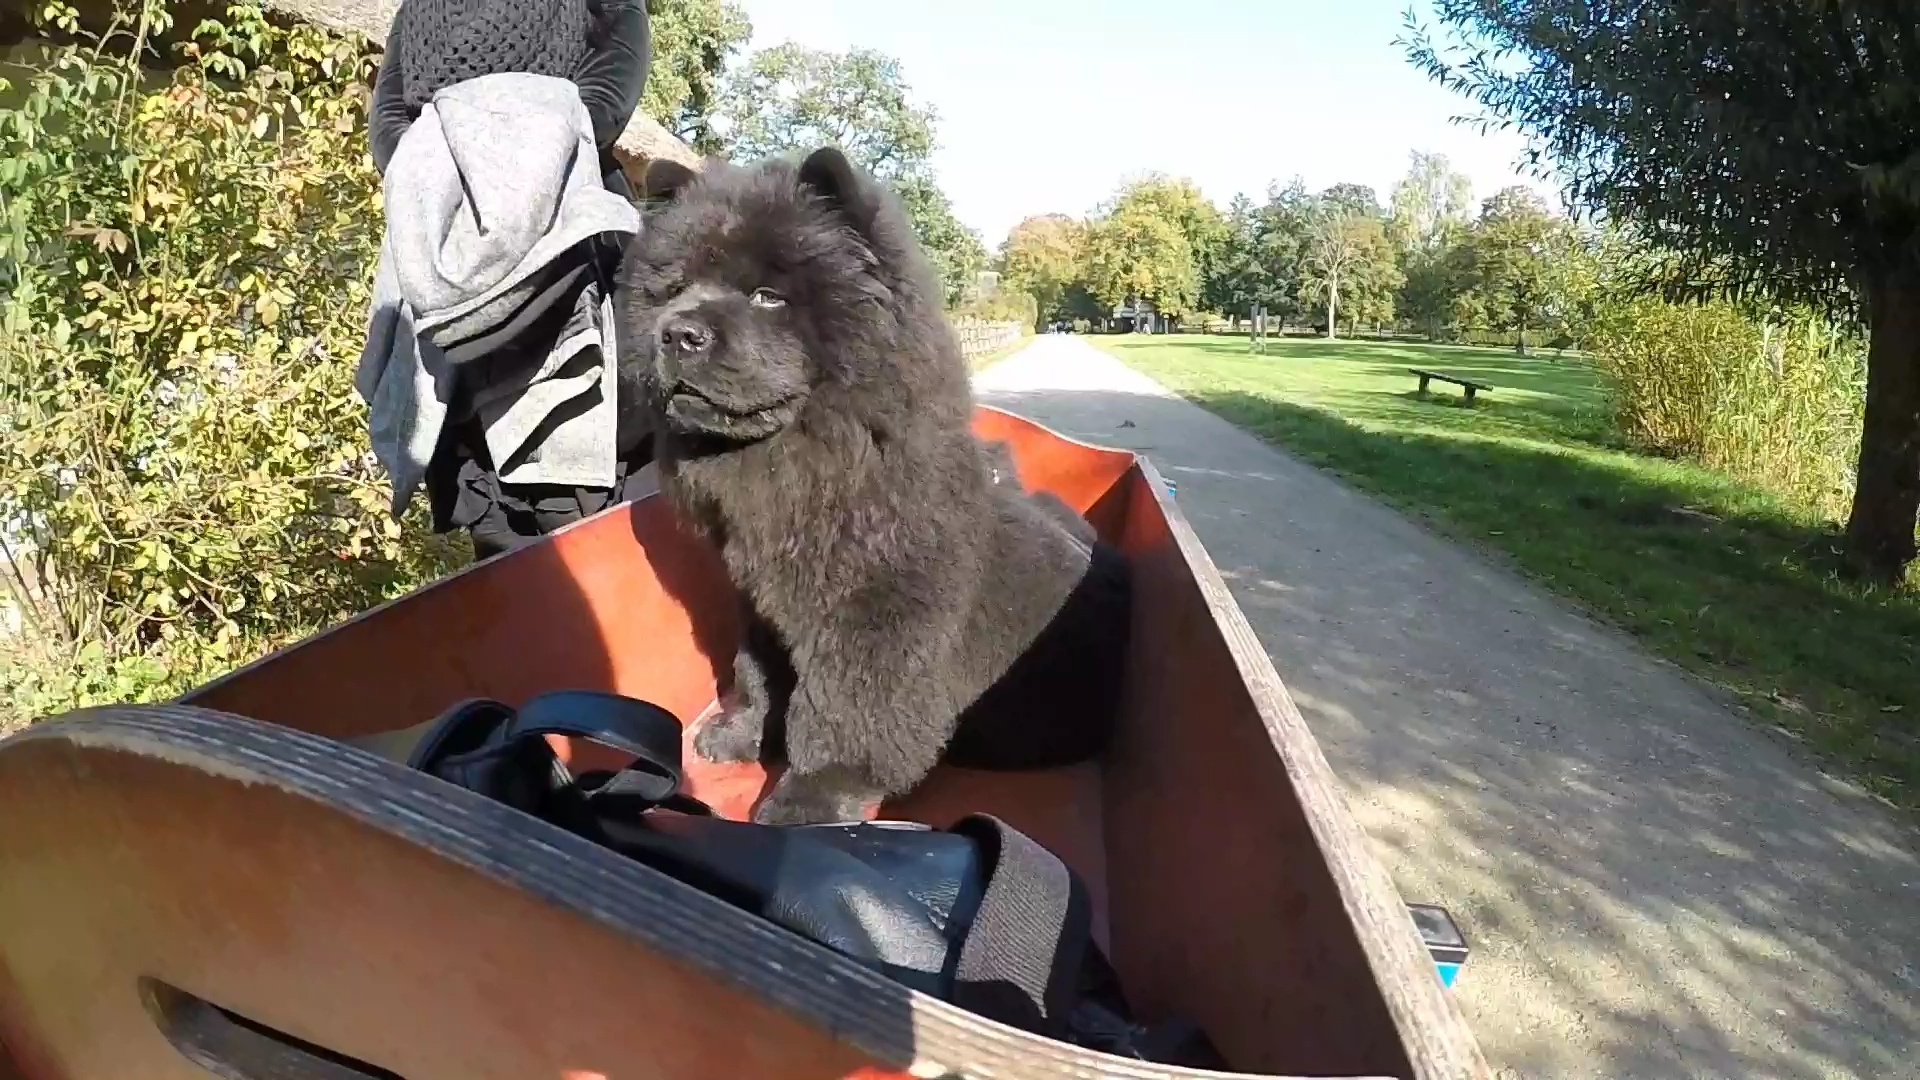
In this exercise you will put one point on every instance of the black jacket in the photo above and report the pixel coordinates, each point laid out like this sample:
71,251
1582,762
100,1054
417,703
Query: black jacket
610,82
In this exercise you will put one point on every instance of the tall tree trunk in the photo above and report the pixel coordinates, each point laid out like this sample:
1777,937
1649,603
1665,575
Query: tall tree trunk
1333,295
1886,499
1520,343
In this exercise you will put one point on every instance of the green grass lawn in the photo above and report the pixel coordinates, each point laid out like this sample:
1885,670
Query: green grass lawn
1723,578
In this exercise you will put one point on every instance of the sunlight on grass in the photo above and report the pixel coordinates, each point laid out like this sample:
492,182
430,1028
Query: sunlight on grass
1726,579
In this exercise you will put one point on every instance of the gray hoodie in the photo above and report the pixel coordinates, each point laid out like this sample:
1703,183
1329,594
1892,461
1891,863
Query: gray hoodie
491,198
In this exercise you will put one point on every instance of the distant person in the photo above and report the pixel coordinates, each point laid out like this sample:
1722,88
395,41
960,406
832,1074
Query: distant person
491,366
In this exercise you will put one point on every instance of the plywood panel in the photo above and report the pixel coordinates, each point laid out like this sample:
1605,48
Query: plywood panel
1234,887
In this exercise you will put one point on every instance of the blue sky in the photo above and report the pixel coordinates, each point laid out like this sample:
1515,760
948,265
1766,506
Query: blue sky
1046,105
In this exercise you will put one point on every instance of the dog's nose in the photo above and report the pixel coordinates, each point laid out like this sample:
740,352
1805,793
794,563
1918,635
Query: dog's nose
685,335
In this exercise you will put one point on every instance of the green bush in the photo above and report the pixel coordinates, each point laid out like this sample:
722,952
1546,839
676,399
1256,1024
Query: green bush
1487,338
1773,400
1005,305
186,262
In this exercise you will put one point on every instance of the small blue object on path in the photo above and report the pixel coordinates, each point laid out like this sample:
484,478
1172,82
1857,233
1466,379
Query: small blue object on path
1443,939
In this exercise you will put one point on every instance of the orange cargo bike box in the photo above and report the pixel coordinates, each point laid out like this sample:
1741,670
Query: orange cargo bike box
243,883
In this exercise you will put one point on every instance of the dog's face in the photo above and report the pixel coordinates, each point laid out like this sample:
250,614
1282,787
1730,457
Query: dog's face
746,290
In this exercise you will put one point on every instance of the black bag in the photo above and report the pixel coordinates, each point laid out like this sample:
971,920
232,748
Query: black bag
979,915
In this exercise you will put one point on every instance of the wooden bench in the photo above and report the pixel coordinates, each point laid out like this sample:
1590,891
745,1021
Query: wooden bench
1466,384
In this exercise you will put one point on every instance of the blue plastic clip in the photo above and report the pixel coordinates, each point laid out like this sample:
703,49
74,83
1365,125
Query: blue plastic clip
1444,941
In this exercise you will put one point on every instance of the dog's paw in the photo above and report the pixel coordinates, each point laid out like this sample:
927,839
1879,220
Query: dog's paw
808,804
728,737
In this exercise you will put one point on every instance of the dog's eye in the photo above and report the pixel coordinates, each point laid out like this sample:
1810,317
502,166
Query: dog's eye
767,298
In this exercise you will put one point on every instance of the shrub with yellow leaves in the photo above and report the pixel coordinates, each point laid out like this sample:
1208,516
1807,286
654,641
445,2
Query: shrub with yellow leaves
186,252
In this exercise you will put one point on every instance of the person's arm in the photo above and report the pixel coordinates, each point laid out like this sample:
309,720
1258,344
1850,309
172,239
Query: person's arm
615,72
388,116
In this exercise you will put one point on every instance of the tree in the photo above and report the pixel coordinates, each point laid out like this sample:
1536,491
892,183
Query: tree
1235,280
1517,246
1575,284
1356,199
1427,224
1134,253
1180,201
1154,243
790,99
1771,146
1285,227
1349,267
955,250
1080,303
1427,203
1437,274
1042,256
691,41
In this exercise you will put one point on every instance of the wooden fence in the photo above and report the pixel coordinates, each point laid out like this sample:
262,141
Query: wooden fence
979,337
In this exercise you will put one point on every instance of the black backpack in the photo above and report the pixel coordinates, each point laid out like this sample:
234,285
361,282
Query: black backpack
979,915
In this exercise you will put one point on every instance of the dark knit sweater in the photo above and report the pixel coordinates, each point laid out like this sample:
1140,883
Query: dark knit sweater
435,43
442,42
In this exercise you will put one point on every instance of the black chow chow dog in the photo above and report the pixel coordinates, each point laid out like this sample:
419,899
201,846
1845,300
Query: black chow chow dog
811,407
1000,469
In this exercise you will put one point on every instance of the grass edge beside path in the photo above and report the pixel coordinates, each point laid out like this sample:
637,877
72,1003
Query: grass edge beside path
1724,579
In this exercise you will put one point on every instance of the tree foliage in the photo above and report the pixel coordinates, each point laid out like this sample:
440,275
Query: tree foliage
1042,256
1258,260
1517,250
185,269
1430,229
1775,148
955,249
1347,267
1429,204
790,99
1236,279
1771,142
1283,229
1344,199
1155,242
1427,223
1181,202
1134,253
1437,280
691,43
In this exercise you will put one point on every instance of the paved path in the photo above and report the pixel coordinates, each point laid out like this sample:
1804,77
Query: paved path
1653,887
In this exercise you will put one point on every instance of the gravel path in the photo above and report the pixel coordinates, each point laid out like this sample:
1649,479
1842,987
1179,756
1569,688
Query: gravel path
1653,887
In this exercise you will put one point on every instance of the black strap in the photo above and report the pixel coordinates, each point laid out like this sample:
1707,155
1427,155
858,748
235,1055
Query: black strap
645,730
1020,950
463,728
1020,962
481,731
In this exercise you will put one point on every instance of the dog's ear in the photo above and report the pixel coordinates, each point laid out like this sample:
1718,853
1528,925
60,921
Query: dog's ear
665,178
828,173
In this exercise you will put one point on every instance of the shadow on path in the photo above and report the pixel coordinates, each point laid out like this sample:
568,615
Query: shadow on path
1652,886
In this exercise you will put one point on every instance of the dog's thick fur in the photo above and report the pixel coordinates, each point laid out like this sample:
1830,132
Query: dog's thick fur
812,413
1001,470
